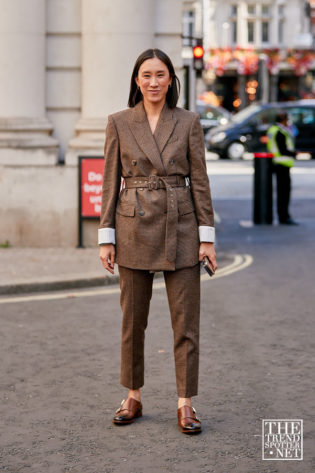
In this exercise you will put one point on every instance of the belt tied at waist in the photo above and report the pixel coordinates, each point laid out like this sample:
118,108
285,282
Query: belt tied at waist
154,182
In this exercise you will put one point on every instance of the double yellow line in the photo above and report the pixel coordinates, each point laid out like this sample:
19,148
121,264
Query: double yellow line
240,262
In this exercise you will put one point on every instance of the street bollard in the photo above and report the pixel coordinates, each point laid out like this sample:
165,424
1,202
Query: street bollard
263,188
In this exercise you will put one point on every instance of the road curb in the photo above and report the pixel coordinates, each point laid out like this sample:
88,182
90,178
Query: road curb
57,285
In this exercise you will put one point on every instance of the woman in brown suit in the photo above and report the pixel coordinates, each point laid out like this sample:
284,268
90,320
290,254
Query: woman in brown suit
162,220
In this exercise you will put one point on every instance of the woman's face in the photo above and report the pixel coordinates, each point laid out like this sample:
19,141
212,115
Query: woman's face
153,79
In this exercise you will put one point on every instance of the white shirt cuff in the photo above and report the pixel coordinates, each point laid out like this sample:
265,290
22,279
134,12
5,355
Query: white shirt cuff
206,234
106,235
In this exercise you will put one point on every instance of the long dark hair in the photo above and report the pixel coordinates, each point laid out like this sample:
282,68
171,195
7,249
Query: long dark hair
172,95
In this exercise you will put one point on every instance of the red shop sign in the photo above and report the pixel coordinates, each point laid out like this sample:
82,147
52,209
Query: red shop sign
91,173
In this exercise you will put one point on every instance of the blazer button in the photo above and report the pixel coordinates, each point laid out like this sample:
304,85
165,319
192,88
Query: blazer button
141,212
134,162
172,162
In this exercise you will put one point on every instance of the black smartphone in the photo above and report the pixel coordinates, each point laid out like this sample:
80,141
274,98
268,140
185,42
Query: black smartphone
207,266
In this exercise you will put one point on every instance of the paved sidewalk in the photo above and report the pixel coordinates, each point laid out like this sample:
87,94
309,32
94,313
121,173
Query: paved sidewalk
40,269
45,269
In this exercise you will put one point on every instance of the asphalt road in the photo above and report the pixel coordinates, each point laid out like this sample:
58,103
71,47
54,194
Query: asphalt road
60,360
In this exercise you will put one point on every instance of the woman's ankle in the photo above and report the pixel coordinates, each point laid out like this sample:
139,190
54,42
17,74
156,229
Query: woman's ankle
135,394
182,401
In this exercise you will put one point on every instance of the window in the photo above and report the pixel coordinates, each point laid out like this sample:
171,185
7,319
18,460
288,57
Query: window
188,26
265,31
207,112
251,9
281,24
280,31
245,114
265,10
281,10
250,31
234,24
264,117
268,116
253,121
234,32
234,10
302,116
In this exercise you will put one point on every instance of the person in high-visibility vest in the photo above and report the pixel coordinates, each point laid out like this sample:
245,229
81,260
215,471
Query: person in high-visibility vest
281,144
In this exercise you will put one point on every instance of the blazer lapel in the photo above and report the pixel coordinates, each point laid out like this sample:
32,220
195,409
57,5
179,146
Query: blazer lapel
165,127
141,130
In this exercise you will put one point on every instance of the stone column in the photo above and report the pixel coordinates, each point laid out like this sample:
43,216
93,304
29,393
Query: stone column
114,33
274,25
258,27
168,30
210,24
22,78
242,24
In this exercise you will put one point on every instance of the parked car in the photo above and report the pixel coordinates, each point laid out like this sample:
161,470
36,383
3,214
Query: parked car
211,116
248,128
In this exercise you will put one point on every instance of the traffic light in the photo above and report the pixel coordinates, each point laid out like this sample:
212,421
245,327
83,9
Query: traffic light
198,53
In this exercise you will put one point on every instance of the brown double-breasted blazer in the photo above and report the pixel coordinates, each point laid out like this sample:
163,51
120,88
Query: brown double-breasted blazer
144,237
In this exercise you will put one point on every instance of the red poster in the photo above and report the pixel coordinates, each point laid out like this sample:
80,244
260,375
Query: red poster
91,186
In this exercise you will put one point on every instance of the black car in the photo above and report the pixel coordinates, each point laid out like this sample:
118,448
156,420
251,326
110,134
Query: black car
211,116
248,128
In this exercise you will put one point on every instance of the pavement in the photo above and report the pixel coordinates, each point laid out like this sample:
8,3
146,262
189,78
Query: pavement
45,269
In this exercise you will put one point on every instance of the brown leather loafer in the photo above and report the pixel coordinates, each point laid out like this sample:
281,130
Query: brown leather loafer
187,420
129,413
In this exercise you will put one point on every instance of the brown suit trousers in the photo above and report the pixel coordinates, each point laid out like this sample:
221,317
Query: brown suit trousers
183,291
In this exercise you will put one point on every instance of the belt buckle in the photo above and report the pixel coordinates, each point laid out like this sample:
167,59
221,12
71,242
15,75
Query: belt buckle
153,182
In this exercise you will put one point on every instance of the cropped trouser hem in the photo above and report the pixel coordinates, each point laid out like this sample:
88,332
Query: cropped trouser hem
183,291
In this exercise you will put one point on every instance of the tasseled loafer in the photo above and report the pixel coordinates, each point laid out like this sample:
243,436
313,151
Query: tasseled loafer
188,421
129,413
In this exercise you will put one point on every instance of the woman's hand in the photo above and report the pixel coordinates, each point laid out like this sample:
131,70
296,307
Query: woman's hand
207,249
107,256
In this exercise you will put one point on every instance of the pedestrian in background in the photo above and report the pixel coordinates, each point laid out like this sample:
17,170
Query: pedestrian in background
152,225
281,144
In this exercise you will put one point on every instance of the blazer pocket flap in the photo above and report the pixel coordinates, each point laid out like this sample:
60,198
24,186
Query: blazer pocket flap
127,210
185,208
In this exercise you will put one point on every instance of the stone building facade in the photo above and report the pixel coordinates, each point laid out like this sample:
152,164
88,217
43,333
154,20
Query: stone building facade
240,33
256,23
64,66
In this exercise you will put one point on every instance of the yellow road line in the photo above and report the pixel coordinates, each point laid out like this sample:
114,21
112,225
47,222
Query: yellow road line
240,262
